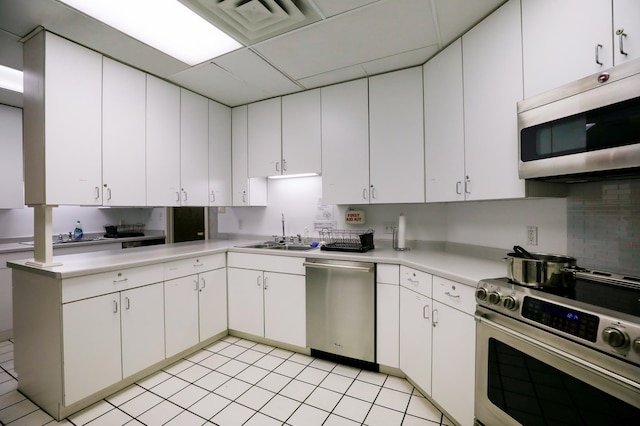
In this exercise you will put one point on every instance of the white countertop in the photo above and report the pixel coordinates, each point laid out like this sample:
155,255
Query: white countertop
454,262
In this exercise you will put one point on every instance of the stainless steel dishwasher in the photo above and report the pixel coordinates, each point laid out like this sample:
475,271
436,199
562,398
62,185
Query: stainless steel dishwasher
341,309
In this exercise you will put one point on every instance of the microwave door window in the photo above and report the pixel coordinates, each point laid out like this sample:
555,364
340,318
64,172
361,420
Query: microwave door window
569,136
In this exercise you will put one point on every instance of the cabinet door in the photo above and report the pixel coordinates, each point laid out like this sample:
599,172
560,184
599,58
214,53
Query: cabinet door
163,143
123,135
285,317
444,126
142,328
11,181
301,133
245,301
264,138
626,30
396,144
194,149
492,87
212,303
415,337
246,192
454,342
92,357
181,314
345,143
219,154
73,123
560,40
388,325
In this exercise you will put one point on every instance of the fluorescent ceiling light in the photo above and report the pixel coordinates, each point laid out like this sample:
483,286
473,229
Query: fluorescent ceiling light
11,79
166,25
292,176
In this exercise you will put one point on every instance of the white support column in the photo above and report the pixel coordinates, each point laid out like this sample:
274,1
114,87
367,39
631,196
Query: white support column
42,237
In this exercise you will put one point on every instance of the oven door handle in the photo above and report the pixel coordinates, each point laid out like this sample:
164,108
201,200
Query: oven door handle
482,319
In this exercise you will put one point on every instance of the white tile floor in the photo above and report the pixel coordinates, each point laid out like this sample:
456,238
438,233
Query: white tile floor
238,382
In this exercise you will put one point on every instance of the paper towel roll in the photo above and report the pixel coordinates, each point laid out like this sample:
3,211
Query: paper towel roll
401,232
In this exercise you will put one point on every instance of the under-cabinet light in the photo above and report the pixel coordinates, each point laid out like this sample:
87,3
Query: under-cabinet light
11,79
293,176
166,25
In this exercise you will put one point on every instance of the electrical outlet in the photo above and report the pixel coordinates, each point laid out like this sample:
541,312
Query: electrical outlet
389,227
532,235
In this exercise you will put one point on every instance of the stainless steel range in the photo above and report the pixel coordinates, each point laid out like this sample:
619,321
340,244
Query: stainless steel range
567,355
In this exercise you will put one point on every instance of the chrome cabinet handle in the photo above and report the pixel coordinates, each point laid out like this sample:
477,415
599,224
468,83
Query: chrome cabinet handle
459,187
197,285
108,193
373,193
97,192
128,303
266,283
277,166
364,193
435,318
621,35
204,284
244,196
115,307
177,196
124,280
185,195
598,47
284,165
425,312
213,197
467,185
455,296
259,280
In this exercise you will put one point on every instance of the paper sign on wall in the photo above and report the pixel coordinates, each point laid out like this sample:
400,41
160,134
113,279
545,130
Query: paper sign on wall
354,217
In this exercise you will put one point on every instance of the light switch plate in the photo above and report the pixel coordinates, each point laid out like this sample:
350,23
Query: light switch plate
532,235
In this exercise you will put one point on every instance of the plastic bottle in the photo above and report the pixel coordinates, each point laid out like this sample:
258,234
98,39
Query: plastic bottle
306,239
77,232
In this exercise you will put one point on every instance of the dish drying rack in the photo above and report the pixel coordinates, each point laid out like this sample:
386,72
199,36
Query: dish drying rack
347,240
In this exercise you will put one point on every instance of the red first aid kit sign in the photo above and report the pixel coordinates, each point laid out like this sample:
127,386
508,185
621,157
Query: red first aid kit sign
354,217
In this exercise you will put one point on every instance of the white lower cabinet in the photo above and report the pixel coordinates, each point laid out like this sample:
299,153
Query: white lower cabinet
415,337
195,301
454,338
388,315
270,304
109,337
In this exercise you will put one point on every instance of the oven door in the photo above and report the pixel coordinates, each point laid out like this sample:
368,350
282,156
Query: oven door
527,376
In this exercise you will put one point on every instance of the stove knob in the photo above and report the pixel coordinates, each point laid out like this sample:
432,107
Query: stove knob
510,303
636,345
481,293
494,298
615,337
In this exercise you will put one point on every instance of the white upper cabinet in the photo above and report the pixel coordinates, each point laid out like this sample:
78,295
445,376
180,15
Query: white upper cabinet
264,138
396,131
345,143
163,143
444,126
11,180
301,133
492,76
62,122
194,149
123,135
246,192
564,41
219,154
626,30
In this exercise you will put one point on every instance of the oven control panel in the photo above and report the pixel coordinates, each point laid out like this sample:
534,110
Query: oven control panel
595,327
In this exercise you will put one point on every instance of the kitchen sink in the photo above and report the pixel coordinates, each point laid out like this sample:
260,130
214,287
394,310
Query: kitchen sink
269,245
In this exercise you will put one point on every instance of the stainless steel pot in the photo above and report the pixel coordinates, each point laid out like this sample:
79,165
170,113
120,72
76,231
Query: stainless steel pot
540,269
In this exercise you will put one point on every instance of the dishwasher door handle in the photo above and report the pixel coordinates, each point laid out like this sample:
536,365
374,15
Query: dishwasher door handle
337,266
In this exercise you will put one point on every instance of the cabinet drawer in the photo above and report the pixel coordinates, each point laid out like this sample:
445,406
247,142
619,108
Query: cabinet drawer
454,294
387,274
195,265
262,262
416,280
108,282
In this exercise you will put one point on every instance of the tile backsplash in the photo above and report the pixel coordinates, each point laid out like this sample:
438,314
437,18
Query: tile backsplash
603,225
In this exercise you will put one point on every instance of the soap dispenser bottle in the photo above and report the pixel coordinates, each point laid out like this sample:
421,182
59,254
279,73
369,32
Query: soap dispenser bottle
77,232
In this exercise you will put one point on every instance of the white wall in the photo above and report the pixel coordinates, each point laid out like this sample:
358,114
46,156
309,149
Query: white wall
499,224
18,223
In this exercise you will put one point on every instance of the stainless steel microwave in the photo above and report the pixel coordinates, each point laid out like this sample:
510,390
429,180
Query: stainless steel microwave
586,130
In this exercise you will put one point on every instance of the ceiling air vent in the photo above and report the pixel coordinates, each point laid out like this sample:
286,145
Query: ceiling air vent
251,21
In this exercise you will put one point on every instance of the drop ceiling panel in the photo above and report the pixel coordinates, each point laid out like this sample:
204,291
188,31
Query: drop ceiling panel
214,82
455,17
336,7
332,77
247,66
401,60
363,35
